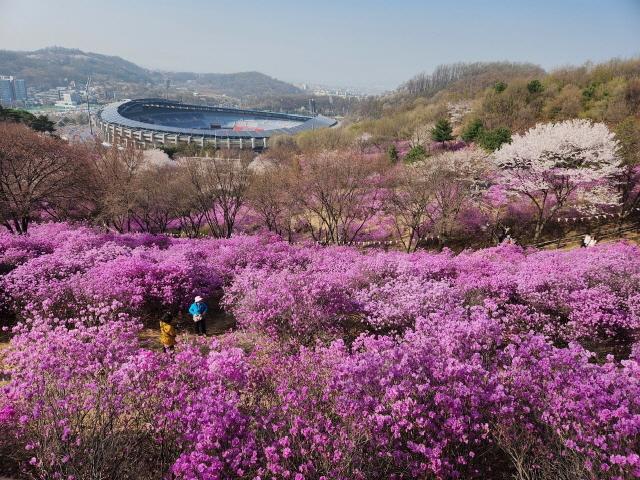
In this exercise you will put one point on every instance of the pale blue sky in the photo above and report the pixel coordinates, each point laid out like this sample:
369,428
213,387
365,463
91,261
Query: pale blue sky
361,43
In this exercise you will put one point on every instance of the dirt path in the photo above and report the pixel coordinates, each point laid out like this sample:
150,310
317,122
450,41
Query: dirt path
217,324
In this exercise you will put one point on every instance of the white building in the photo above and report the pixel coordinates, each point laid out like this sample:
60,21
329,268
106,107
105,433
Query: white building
68,100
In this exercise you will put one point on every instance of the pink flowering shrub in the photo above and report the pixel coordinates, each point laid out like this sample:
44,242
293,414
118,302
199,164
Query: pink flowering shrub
346,365
562,412
304,291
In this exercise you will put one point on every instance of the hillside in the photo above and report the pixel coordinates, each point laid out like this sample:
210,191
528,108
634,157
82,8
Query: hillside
499,95
55,66
242,84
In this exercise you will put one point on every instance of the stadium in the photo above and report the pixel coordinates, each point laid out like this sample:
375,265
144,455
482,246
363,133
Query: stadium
153,122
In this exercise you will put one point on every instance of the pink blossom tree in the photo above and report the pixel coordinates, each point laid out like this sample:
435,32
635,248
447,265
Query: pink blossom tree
553,163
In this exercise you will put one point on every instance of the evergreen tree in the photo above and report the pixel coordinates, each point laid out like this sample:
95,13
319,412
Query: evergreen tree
535,86
491,140
441,132
472,131
41,123
416,153
500,87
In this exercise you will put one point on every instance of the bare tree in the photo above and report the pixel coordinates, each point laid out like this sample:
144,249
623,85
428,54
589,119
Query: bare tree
187,202
340,192
409,205
219,188
38,173
274,196
116,171
429,195
421,135
155,198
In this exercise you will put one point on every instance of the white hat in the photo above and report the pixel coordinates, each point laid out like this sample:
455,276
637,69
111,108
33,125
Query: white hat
199,298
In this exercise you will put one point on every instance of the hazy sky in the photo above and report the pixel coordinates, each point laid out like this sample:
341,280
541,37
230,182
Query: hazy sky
348,42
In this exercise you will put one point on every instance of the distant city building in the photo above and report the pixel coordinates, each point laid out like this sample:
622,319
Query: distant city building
69,99
48,97
6,90
20,89
12,90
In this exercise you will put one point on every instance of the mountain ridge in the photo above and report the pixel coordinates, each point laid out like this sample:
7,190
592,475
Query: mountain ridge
54,66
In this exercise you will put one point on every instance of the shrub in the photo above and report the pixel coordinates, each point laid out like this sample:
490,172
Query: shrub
499,87
492,140
392,153
347,365
535,86
415,154
472,131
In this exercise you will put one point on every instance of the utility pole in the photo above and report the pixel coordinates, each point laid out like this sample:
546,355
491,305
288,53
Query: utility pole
88,107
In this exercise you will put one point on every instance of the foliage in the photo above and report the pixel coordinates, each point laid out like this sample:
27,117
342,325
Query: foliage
442,130
188,150
472,131
552,163
39,123
465,77
500,87
55,66
492,140
612,94
465,366
415,154
535,86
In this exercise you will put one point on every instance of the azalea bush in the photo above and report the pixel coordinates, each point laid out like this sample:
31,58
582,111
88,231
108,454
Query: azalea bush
500,363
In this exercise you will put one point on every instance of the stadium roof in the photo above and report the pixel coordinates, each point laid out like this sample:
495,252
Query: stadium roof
118,113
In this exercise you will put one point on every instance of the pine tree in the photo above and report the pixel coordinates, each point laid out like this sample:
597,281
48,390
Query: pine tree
472,131
535,86
492,140
415,154
500,87
441,132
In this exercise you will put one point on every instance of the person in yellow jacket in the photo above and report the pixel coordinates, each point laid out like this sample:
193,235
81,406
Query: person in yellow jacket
167,332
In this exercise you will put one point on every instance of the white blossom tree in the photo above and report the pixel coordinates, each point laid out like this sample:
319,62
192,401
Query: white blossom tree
557,165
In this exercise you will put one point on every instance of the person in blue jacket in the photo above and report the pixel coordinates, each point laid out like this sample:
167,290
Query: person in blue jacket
198,309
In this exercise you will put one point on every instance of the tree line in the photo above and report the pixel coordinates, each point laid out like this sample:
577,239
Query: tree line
331,195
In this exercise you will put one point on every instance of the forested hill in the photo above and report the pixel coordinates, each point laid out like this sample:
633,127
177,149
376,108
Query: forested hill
56,66
503,95
468,78
241,84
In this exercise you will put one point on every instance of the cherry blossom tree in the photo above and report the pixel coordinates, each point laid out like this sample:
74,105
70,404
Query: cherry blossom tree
556,165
